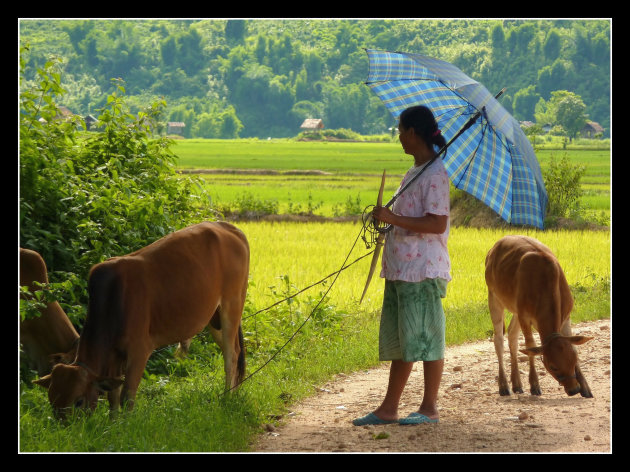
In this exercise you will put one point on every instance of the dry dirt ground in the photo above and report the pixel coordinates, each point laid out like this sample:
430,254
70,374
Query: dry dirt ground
473,416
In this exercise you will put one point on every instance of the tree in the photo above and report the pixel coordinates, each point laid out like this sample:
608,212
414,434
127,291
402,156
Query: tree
346,106
168,51
525,102
205,126
542,113
552,44
235,30
571,114
498,38
551,77
565,109
85,198
231,126
190,52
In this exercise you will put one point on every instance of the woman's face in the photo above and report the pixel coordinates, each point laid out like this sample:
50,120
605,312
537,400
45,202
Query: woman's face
405,137
413,144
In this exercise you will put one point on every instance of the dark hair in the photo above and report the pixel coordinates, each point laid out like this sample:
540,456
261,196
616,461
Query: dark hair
421,119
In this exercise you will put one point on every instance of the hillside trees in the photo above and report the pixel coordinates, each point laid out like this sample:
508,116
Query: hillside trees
265,68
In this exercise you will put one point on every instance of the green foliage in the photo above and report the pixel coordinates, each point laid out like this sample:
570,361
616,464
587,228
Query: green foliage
247,205
85,197
265,68
562,181
32,302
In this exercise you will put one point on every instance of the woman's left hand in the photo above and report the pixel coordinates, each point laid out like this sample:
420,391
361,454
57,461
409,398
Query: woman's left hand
383,214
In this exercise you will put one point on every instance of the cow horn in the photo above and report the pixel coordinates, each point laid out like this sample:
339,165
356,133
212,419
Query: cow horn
379,241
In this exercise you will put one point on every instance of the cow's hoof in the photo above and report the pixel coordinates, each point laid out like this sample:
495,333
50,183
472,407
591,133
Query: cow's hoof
504,392
535,390
518,390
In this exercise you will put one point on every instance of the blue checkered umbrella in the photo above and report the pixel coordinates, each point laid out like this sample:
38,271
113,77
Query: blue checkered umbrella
491,159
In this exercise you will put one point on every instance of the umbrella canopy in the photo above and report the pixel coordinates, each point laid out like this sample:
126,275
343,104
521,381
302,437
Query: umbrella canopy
492,160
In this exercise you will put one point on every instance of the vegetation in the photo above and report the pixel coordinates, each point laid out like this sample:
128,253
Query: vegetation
254,178
261,78
179,407
85,198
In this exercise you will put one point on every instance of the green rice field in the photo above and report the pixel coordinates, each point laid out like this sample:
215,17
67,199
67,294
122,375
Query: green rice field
305,252
333,178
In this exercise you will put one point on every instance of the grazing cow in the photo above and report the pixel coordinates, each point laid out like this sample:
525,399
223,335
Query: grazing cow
49,338
162,294
525,277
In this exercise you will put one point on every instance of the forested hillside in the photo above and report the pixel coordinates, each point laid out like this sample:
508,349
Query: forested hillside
245,78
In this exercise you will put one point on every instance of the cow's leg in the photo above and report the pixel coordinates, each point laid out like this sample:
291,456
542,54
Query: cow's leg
136,362
513,331
585,390
215,328
497,315
534,386
231,312
113,397
182,349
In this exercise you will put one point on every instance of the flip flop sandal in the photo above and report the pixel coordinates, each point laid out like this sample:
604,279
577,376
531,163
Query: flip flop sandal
370,418
417,418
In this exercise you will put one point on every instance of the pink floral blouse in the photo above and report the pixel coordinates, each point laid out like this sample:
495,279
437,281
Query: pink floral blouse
413,257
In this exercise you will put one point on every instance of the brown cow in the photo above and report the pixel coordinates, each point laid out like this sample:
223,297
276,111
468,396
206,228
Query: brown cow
49,338
525,277
162,294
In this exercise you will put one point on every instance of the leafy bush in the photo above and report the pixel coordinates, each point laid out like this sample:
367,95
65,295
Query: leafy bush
562,181
88,196
325,134
248,206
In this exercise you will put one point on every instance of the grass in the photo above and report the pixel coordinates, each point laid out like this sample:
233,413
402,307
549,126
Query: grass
352,173
179,409
290,155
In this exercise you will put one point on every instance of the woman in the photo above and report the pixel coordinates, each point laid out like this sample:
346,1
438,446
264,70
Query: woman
416,268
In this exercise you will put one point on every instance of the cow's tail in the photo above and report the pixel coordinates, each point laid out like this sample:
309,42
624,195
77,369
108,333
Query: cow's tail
241,357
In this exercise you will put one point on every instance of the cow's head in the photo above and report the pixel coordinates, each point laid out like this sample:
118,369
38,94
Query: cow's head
560,359
73,386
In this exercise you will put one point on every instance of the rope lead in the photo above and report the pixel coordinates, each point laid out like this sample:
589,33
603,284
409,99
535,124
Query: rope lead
336,274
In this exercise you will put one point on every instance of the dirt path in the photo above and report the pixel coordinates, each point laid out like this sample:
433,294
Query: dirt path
473,417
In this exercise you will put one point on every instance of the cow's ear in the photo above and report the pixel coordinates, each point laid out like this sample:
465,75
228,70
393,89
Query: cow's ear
532,351
107,385
43,381
579,339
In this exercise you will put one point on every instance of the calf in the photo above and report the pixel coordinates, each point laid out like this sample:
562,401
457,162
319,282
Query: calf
162,294
525,277
50,338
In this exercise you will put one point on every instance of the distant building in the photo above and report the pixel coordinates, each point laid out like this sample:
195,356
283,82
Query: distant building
64,113
89,121
175,127
591,129
312,124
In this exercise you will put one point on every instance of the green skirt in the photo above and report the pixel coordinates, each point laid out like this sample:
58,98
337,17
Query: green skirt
412,321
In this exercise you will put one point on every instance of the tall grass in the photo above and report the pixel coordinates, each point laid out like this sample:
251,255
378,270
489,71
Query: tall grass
182,409
312,249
